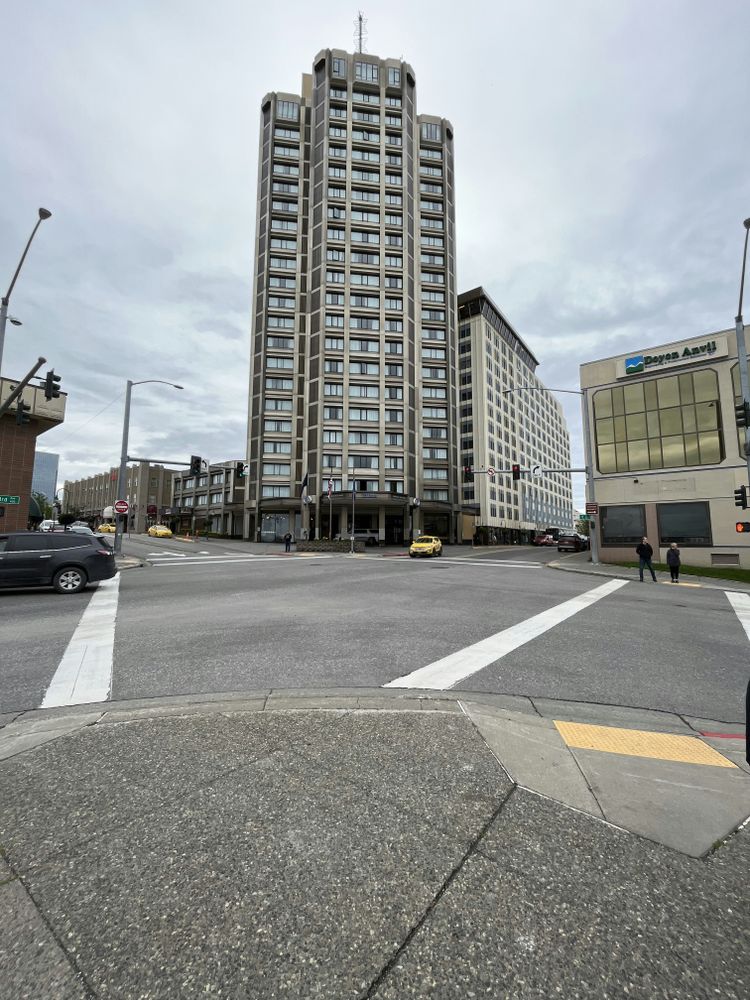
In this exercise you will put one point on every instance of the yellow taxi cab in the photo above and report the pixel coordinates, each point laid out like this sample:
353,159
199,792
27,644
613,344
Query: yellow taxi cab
106,528
159,531
426,545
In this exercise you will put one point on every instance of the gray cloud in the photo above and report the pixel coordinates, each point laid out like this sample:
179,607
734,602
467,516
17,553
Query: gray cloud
601,182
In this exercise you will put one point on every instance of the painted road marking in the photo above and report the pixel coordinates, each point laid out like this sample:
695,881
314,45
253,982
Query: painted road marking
221,561
741,605
639,743
84,673
445,673
513,563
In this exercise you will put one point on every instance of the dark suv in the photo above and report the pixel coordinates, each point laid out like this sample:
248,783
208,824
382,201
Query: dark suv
64,560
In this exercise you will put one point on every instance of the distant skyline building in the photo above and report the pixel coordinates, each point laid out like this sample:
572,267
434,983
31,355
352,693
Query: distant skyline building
353,346
44,477
500,429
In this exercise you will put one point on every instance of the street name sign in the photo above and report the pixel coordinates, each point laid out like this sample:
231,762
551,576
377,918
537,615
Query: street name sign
5,498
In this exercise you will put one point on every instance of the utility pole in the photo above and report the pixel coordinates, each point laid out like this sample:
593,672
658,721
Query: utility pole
742,349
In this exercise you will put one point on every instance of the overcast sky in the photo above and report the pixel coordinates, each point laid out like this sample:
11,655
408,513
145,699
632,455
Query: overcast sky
602,178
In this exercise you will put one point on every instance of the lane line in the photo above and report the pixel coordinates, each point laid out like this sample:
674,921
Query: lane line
741,604
447,672
84,673
280,561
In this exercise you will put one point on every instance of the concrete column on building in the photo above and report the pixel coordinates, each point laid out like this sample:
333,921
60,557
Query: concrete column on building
381,524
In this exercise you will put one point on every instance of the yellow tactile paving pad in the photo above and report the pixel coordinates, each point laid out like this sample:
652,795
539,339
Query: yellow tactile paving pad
639,743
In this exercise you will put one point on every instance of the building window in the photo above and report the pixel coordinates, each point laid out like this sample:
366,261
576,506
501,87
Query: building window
665,423
625,525
276,491
365,71
688,524
394,77
338,67
431,132
287,109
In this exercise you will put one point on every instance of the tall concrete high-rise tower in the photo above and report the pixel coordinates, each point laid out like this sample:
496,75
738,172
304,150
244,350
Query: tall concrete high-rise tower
353,351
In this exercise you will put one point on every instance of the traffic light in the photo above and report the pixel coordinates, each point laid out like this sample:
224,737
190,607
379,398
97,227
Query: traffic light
195,465
740,497
239,470
742,527
742,413
516,470
21,409
468,474
52,385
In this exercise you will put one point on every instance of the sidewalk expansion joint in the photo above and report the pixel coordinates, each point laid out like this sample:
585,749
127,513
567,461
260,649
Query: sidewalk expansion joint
87,988
472,849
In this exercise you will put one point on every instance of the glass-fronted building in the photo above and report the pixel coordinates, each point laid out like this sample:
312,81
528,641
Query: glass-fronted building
668,455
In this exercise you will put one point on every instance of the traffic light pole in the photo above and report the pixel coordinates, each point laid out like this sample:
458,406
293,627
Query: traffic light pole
742,351
21,386
123,466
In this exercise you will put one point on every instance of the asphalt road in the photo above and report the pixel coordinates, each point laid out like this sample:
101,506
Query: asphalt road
223,616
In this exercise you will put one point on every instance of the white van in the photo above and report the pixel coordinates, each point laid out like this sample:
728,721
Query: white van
49,525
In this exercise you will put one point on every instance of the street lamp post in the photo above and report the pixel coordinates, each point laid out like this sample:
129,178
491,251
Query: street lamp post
587,448
124,451
742,348
43,214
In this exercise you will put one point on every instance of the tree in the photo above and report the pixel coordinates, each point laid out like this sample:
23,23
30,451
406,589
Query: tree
66,519
44,505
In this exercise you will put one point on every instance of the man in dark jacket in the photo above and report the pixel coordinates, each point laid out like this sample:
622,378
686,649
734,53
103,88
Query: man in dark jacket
645,554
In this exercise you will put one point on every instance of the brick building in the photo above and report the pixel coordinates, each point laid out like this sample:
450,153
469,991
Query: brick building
18,449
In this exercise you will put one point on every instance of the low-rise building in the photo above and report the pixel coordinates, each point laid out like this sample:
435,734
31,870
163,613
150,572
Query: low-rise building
668,455
499,429
18,449
213,501
148,490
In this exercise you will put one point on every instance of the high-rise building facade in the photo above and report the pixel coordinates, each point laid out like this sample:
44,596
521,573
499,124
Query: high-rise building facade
353,361
44,479
499,429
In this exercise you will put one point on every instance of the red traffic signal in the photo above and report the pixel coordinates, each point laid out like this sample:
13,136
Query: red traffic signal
742,527
516,470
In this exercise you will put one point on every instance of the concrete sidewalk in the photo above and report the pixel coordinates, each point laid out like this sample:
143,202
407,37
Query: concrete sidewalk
372,843
579,562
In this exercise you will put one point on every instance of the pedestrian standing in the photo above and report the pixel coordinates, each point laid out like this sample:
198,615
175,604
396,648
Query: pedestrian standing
645,555
288,542
673,561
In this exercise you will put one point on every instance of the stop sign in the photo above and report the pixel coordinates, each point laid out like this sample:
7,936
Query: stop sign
121,506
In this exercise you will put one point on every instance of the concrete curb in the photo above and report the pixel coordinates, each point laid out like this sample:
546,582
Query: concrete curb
688,579
129,562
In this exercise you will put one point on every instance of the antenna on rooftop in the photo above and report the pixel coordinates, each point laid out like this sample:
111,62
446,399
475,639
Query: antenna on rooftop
360,31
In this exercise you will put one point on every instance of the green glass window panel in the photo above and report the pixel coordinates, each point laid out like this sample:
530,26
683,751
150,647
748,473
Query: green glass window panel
634,398
622,457
605,431
618,403
669,392
649,390
710,446
603,403
688,419
607,459
652,422
705,385
707,415
671,421
654,452
636,423
673,449
692,455
620,429
638,455
686,388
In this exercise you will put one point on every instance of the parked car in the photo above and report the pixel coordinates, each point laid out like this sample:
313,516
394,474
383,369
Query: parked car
65,560
48,525
369,536
159,531
542,538
107,527
570,541
426,545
